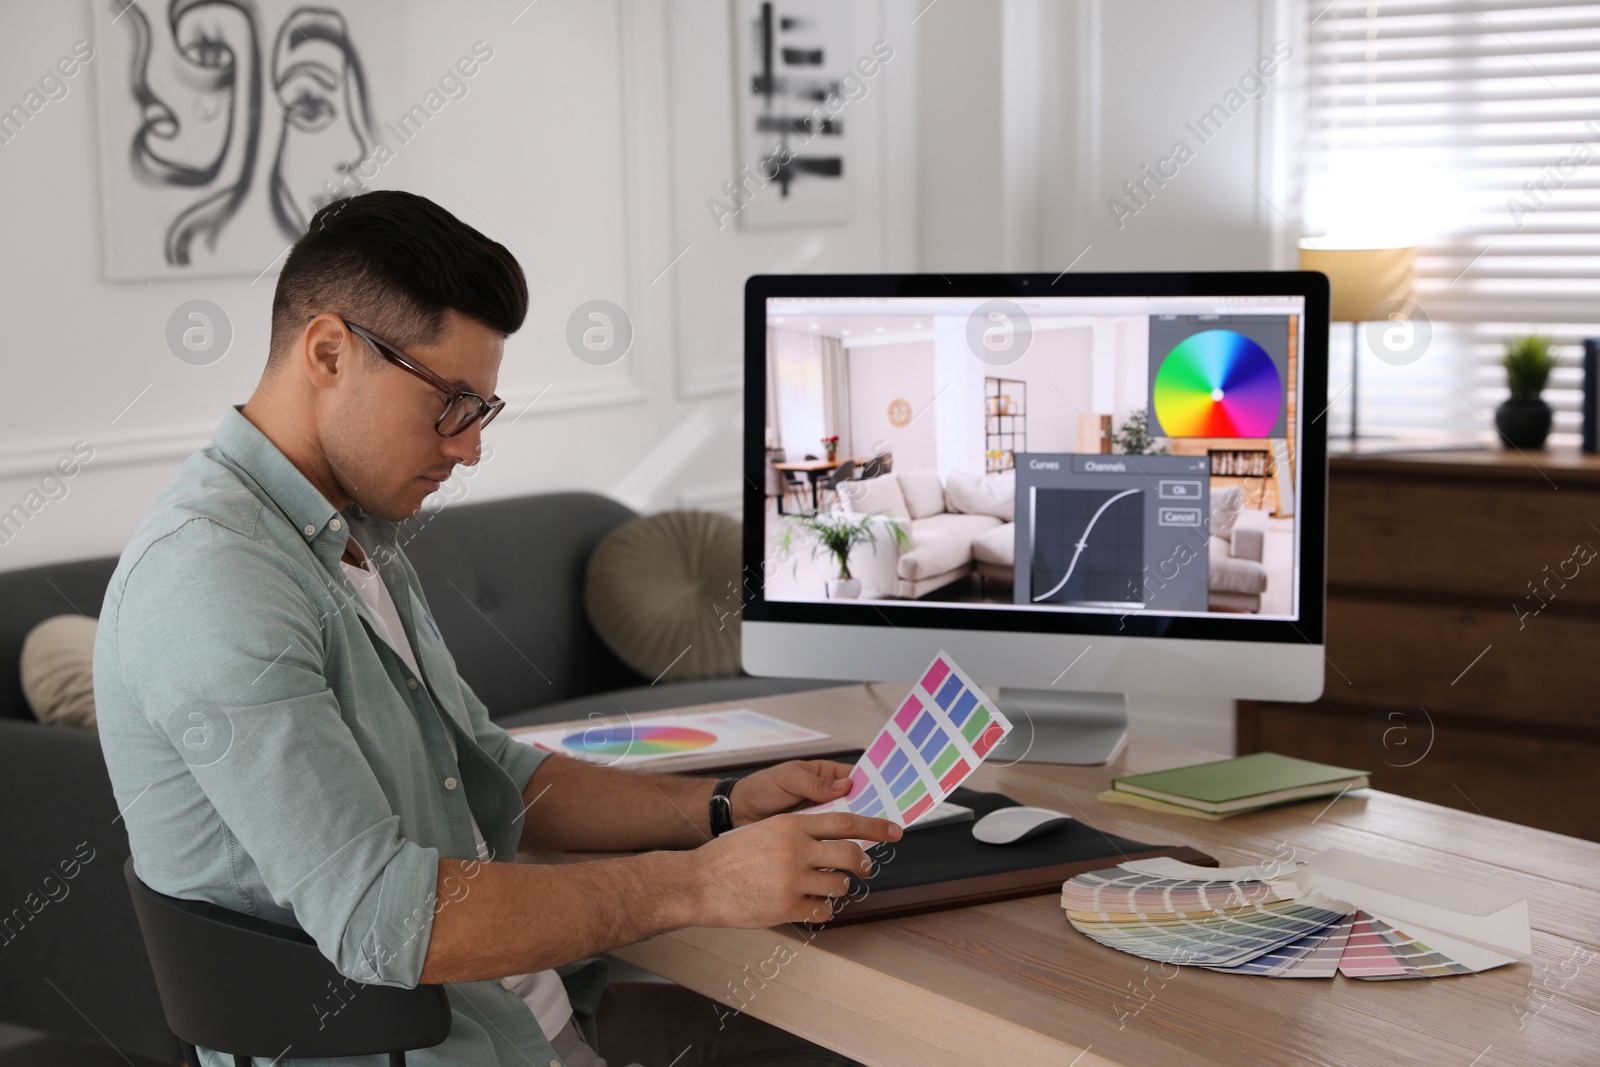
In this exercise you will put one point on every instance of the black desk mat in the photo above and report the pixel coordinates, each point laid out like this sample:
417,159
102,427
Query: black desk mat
946,867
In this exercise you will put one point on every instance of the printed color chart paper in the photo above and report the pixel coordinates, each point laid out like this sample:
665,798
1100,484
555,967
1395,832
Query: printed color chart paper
623,743
938,737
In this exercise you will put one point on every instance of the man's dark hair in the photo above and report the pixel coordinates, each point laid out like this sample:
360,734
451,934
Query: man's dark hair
394,262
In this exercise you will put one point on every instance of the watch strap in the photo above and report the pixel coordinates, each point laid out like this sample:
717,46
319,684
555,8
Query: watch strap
722,807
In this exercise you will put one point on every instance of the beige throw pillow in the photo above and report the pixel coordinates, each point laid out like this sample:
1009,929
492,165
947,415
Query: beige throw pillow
972,493
874,494
924,495
57,657
663,593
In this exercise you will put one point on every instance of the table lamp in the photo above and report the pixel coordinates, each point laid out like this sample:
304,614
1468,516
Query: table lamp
1360,281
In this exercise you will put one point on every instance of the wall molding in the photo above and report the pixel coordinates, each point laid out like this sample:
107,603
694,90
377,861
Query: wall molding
566,396
700,385
162,448
645,148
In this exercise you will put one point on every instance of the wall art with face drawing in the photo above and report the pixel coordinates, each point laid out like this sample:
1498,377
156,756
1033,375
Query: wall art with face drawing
224,124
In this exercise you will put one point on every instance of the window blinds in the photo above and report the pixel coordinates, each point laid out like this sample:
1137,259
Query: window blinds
1471,128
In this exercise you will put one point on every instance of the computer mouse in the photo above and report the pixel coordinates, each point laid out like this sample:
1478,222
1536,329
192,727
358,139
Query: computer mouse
1009,826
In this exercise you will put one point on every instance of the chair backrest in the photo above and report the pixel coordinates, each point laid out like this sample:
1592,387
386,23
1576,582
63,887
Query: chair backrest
244,986
844,472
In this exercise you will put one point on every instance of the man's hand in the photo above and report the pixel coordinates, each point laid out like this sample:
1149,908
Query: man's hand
787,786
782,869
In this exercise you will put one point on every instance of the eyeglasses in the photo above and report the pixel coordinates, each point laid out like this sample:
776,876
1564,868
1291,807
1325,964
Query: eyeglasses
462,408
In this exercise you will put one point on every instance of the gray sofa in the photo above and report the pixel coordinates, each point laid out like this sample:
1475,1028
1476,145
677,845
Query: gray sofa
505,581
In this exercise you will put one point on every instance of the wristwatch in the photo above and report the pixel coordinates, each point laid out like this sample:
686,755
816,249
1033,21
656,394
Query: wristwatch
722,807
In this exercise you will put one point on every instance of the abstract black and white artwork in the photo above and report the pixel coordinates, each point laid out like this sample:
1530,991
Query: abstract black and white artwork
798,97
225,124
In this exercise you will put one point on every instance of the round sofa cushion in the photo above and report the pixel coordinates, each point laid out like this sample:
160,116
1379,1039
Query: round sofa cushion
56,667
663,593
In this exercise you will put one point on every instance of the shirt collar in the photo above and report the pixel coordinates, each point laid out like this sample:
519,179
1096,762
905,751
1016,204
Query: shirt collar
282,484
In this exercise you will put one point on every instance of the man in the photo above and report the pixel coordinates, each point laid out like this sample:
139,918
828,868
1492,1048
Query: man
288,736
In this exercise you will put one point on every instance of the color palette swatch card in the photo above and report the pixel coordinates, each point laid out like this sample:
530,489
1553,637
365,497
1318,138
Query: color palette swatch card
1380,950
1268,921
1317,955
941,732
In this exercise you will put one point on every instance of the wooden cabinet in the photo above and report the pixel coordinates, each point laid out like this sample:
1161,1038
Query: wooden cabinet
1463,644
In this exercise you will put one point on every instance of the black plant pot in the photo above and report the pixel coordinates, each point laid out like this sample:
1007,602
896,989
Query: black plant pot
1523,423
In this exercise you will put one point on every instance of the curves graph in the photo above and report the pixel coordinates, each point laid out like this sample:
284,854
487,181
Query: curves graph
638,740
1083,543
1217,383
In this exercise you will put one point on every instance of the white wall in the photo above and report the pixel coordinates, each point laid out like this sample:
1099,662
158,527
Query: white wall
881,374
1115,85
1152,69
590,144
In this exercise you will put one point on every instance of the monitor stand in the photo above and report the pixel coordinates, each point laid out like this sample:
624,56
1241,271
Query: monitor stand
1061,726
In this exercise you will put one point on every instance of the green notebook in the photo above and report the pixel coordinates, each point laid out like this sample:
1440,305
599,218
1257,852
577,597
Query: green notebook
1251,781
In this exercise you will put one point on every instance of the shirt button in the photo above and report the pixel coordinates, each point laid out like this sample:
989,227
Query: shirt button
336,525
449,783
311,531
505,983
411,683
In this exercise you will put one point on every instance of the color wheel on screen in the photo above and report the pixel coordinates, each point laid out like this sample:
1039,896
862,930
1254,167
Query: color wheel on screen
643,740
1217,383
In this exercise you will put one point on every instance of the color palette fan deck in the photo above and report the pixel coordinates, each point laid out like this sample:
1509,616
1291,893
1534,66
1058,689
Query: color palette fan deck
1241,921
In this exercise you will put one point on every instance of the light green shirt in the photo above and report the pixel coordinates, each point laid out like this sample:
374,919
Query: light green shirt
271,756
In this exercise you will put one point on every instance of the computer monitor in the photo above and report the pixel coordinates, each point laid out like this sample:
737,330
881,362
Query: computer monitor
1079,486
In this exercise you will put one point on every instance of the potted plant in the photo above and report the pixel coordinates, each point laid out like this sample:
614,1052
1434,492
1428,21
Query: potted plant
1134,439
832,445
1524,419
837,533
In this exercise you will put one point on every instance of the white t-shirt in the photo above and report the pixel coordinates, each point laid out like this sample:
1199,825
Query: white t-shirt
542,991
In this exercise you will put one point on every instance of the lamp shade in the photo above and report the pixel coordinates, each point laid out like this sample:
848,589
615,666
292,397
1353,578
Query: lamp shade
1361,280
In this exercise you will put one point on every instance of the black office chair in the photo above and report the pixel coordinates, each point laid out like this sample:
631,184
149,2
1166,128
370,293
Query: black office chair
875,467
784,483
842,474
252,988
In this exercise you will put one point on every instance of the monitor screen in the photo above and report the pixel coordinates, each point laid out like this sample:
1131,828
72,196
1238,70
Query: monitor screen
1118,453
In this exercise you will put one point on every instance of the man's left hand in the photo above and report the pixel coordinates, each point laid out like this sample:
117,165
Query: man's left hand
787,787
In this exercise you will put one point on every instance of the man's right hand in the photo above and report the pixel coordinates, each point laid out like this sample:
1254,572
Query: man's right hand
784,868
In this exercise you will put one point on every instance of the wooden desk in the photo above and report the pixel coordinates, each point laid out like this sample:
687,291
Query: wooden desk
1013,984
